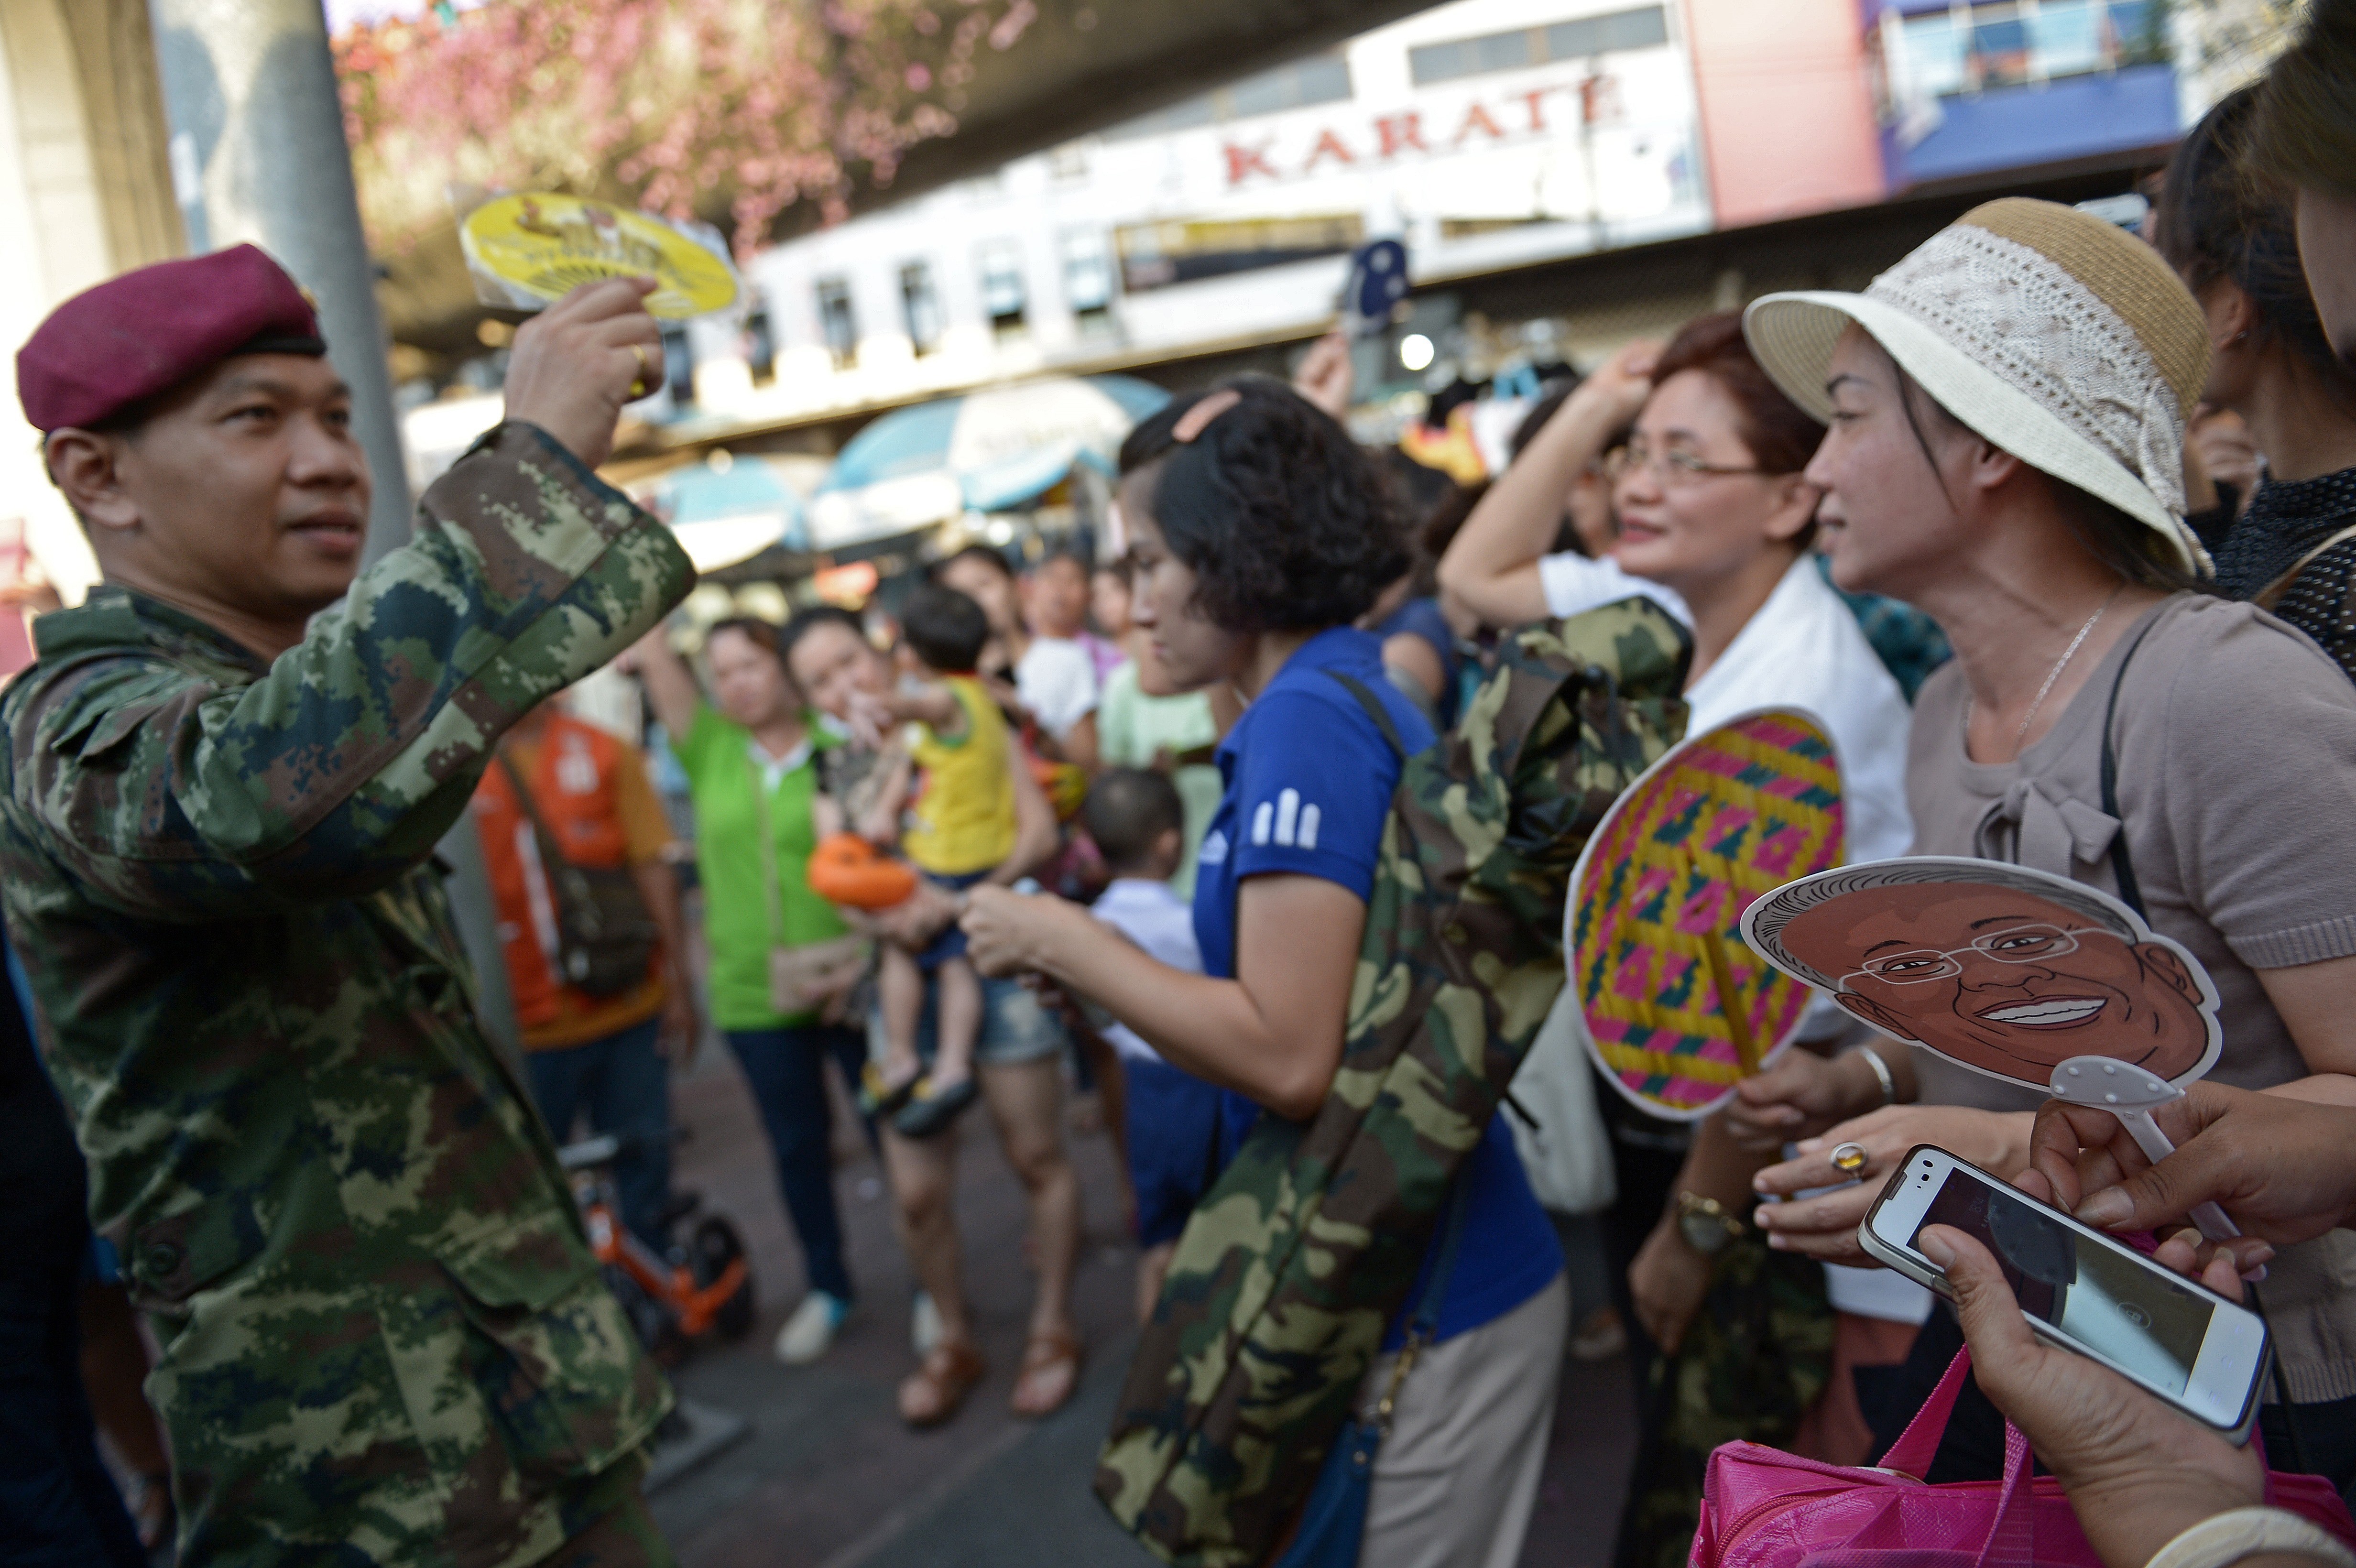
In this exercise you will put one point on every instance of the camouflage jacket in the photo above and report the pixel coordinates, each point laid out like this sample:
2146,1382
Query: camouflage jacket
385,1336
1275,1298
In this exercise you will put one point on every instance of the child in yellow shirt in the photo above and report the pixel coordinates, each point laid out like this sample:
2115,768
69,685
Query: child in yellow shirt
960,827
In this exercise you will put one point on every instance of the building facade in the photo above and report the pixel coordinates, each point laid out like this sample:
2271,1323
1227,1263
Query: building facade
1489,133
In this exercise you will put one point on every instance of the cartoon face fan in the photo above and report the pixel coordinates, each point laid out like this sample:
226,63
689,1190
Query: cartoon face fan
2009,971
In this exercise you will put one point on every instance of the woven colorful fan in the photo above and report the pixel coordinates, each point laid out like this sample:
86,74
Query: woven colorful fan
1677,1009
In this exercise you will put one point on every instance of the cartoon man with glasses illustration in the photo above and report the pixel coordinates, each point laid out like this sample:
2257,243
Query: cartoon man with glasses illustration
2007,970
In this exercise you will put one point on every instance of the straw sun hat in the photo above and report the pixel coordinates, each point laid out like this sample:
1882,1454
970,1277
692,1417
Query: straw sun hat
2062,338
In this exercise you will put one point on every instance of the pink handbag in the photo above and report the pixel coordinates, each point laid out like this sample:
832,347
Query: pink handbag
1762,1508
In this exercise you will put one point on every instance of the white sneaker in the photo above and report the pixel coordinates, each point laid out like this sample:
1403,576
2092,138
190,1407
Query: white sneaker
924,1324
809,1332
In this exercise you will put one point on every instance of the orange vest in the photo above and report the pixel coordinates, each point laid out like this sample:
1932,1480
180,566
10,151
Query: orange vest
572,783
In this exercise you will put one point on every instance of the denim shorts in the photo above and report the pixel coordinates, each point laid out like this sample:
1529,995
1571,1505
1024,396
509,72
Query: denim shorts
1014,1028
949,941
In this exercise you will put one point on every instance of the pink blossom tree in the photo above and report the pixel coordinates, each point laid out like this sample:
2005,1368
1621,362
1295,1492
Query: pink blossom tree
685,107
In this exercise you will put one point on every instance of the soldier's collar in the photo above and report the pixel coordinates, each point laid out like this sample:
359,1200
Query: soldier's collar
114,615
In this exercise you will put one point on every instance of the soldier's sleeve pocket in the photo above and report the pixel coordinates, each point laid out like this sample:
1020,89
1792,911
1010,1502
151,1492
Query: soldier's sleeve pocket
174,1258
526,1270
550,1355
110,714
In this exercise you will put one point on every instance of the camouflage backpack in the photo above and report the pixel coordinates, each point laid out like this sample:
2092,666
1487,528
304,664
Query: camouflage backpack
1305,1247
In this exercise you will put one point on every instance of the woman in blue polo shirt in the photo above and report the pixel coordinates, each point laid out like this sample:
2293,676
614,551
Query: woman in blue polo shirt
1261,533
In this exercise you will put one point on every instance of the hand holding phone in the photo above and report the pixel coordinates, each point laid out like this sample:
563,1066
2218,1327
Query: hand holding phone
2078,1288
2137,1474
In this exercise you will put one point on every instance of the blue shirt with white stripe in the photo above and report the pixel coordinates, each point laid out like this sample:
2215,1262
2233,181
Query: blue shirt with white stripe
1309,782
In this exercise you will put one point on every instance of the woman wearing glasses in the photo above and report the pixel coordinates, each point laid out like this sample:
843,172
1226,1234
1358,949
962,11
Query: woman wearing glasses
1715,522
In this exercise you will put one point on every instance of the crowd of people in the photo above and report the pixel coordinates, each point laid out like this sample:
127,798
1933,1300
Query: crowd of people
2053,526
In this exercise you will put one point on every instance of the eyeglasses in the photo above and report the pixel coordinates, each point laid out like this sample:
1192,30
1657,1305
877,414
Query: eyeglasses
2017,945
1674,468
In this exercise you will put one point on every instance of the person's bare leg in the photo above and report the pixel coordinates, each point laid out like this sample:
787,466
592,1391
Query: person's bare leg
1025,1101
958,1012
900,987
922,1173
1112,1095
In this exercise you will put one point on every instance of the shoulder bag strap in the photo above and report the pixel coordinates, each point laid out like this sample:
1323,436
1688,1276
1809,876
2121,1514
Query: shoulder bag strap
2271,594
770,892
2121,864
1425,1320
2130,894
1374,707
550,851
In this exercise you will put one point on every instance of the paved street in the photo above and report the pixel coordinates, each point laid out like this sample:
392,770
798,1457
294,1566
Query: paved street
829,1477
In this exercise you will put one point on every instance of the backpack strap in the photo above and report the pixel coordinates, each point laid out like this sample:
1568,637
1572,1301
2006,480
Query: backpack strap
1374,710
2121,864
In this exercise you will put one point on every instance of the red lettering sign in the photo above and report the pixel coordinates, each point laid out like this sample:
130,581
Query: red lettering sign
1477,119
1328,145
1400,134
1400,131
1599,99
1243,162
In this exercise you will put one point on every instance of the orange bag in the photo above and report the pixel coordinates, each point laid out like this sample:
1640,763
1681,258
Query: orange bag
846,869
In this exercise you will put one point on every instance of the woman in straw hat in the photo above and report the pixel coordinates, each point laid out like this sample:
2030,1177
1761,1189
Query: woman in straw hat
2231,238
2007,412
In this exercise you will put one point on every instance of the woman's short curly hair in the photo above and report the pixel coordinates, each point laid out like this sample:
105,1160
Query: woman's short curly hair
1288,525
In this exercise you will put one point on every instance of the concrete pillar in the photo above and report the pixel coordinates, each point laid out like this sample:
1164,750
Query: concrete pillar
84,193
258,150
258,153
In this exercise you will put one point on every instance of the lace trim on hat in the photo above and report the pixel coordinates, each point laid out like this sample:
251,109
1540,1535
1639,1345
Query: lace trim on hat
2024,316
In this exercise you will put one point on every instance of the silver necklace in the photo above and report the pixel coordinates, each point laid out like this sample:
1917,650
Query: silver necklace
2021,734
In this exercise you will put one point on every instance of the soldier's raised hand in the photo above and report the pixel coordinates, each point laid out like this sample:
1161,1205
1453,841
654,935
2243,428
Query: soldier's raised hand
577,363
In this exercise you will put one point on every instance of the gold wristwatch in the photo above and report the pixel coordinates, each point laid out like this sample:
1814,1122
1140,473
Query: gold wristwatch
1705,1223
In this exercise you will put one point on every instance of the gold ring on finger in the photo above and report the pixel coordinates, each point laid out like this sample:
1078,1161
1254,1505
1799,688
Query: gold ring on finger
638,387
1849,1160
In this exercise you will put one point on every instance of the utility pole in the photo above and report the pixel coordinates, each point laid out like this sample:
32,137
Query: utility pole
258,156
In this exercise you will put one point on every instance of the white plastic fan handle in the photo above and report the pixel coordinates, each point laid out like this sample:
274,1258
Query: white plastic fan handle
2130,1094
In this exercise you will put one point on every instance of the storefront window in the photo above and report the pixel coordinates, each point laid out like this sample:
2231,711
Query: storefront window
837,323
2067,36
1003,297
922,306
1999,46
1581,38
1088,278
2013,43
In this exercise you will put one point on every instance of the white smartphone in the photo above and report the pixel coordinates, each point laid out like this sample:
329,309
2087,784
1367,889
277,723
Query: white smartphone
2079,1289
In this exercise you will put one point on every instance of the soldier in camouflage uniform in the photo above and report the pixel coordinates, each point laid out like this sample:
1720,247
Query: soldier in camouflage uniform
384,1338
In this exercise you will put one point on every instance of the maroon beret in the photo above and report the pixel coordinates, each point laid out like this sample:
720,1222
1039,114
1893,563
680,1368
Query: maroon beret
145,332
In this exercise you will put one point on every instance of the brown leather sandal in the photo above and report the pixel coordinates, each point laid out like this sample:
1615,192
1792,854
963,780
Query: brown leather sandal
1058,1352
937,1388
